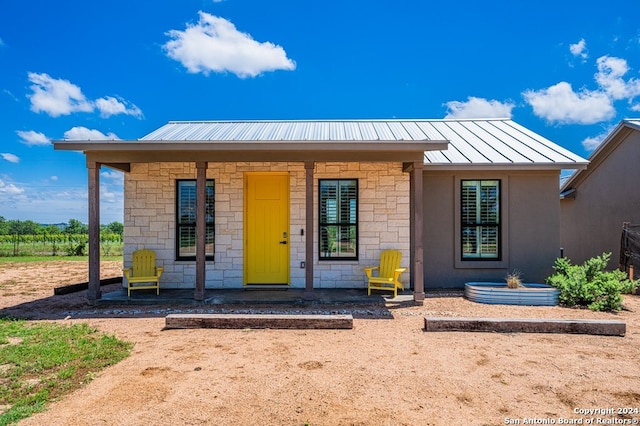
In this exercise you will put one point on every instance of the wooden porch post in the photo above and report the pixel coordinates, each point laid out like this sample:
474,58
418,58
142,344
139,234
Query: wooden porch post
417,230
308,291
94,292
201,228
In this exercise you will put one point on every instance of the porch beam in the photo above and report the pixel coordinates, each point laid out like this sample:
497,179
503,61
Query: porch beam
417,230
201,228
94,293
308,168
187,155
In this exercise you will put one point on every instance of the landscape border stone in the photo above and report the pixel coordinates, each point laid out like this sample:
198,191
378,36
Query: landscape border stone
526,325
72,288
275,321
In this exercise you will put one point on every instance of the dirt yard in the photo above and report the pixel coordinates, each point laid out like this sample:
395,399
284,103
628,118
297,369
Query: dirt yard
386,371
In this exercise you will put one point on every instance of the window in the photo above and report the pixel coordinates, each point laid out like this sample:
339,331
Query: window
186,219
338,219
480,211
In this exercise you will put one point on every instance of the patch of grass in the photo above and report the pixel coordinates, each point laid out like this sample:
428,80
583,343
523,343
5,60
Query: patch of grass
27,259
42,362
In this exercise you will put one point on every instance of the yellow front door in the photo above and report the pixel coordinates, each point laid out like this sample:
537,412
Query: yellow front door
266,212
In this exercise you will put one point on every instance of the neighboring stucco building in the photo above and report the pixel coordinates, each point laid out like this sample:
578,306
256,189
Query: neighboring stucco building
308,204
596,201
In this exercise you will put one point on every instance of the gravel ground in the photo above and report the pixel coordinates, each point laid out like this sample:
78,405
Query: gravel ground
385,371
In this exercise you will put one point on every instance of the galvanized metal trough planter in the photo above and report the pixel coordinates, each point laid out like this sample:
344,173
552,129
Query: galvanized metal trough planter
497,293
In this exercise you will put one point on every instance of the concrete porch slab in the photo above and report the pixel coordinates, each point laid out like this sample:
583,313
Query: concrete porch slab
526,325
241,296
240,321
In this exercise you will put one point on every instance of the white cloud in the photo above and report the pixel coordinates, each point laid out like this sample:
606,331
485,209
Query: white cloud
609,77
479,108
56,96
591,143
109,196
214,44
109,106
560,103
11,95
54,178
82,133
579,49
9,189
12,158
115,177
36,202
32,137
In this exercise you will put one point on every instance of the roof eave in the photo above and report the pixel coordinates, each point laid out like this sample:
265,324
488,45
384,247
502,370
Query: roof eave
604,145
505,166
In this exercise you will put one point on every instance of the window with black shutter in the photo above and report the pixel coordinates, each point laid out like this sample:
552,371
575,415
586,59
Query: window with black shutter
338,224
480,219
186,219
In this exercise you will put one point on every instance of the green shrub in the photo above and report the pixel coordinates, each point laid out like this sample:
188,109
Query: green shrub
589,285
76,248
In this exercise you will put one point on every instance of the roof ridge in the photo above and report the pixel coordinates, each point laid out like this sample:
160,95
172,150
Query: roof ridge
341,120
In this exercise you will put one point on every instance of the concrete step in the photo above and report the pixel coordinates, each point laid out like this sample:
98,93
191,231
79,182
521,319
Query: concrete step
282,321
526,325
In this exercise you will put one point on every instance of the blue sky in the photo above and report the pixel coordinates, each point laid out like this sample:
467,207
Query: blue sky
568,70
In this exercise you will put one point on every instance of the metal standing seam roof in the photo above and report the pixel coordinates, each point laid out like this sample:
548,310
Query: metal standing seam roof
633,123
472,142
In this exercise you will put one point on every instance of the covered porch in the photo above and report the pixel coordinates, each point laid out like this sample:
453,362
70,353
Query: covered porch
201,150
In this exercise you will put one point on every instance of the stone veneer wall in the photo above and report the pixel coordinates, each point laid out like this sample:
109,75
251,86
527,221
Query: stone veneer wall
149,216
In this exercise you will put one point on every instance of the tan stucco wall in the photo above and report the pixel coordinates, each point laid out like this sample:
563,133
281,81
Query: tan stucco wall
592,222
530,228
149,216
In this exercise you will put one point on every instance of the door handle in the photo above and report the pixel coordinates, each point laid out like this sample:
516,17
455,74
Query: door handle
283,242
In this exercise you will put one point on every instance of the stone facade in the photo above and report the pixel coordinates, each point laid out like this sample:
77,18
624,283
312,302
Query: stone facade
149,216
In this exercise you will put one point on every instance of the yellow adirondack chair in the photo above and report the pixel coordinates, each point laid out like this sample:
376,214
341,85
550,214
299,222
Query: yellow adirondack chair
389,273
144,271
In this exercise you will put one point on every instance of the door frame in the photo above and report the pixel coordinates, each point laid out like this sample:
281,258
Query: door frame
245,187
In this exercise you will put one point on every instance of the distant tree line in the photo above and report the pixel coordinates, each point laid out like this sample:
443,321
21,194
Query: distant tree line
28,238
73,227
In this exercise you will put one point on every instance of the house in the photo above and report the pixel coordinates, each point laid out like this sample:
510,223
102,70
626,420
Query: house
596,201
308,204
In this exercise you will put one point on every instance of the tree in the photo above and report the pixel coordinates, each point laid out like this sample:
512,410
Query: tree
30,227
76,227
4,227
22,227
113,228
51,230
